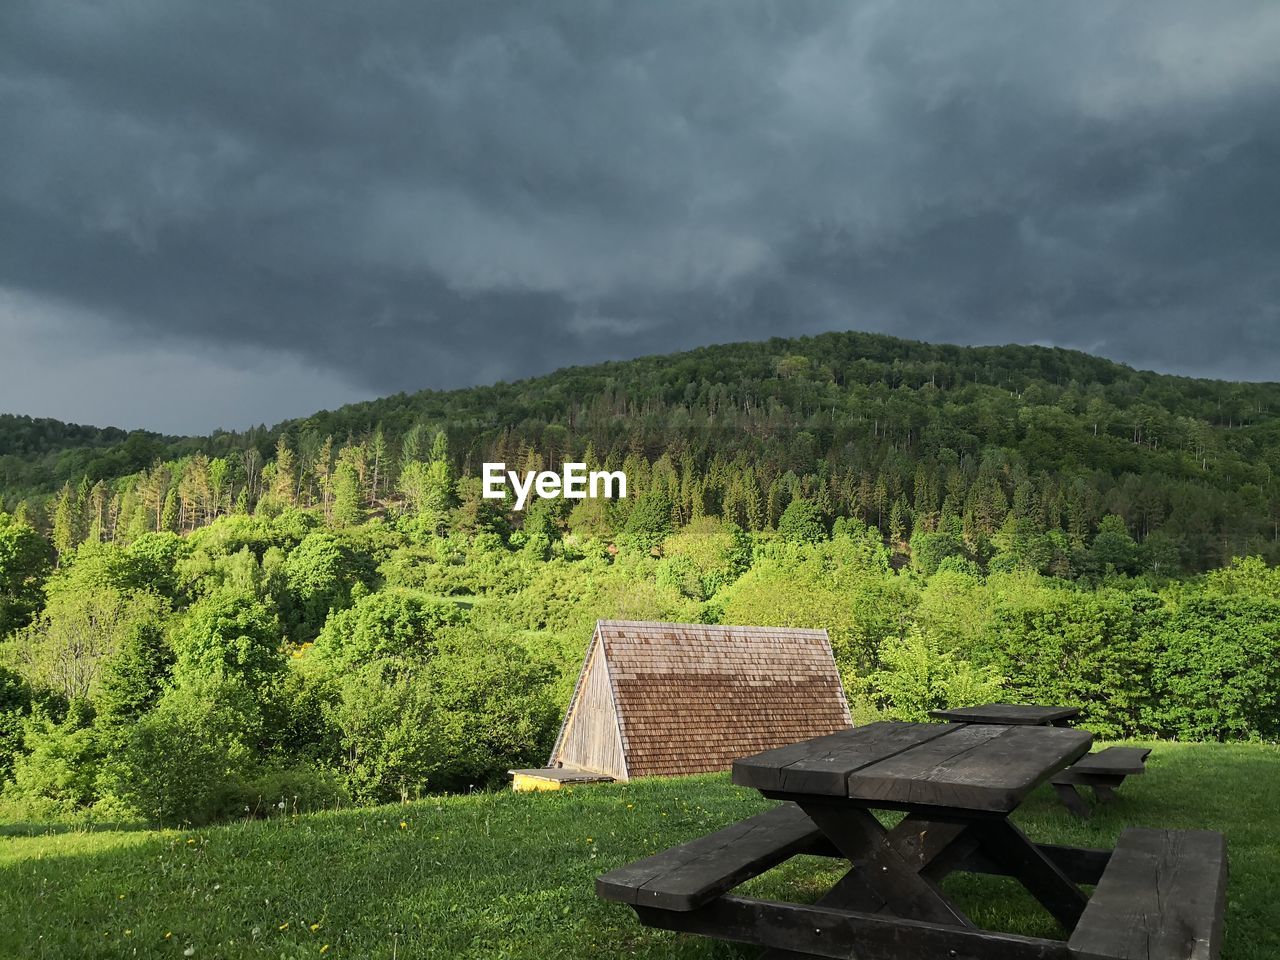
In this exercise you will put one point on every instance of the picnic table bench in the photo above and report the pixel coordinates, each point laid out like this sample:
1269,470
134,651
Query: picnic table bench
1102,771
1159,895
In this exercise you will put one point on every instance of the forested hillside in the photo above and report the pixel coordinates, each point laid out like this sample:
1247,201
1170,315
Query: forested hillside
998,444
330,612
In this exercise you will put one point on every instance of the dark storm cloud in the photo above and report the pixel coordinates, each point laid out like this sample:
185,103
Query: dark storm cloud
291,205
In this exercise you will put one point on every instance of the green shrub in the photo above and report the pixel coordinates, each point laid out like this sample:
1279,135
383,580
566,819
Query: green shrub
386,624
1069,647
320,574
67,647
840,585
930,548
55,774
133,677
453,723
156,557
705,556
300,788
1216,673
188,760
229,634
25,561
919,675
649,522
802,522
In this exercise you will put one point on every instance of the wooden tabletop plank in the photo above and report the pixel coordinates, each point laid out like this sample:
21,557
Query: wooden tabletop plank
978,767
821,766
1007,714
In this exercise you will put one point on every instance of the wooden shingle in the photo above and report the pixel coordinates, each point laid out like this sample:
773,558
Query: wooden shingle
657,699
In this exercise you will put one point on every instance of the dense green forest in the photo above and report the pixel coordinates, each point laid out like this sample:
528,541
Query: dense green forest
329,612
904,436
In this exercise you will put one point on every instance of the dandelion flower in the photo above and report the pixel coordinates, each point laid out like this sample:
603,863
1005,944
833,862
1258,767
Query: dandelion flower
168,934
285,925
315,927
325,948
403,825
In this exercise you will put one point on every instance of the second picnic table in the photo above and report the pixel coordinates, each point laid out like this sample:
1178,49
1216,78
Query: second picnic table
1102,771
1010,714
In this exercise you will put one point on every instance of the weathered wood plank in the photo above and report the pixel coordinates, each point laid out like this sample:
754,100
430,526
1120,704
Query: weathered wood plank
1008,714
1162,897
843,934
979,768
822,765
693,873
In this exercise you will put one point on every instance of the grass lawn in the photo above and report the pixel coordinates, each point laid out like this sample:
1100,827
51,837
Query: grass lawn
510,875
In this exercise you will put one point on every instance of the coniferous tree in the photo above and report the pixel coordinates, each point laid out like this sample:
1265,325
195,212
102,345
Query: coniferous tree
169,516
63,522
219,486
378,456
898,521
284,483
98,508
801,522
348,497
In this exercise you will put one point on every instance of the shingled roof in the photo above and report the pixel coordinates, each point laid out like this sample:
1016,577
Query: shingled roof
656,699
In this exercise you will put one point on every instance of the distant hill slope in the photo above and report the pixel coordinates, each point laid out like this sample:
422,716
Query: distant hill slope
859,421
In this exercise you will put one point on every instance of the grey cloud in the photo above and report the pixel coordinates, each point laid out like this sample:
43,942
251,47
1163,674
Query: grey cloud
405,195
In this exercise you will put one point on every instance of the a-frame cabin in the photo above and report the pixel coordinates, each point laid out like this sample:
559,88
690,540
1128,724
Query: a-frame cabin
659,699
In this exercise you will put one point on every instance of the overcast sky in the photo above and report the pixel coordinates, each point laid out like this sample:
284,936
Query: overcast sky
224,213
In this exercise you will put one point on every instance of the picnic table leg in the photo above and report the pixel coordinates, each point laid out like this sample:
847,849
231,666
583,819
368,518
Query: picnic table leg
926,846
1007,845
933,848
881,878
1104,792
1072,800
1103,785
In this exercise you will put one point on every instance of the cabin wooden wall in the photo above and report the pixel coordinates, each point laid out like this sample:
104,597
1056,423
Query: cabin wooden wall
590,740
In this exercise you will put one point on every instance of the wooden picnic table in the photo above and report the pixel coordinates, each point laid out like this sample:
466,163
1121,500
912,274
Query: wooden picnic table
957,785
1008,714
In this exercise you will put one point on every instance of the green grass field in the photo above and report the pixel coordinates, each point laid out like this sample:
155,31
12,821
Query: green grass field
510,875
